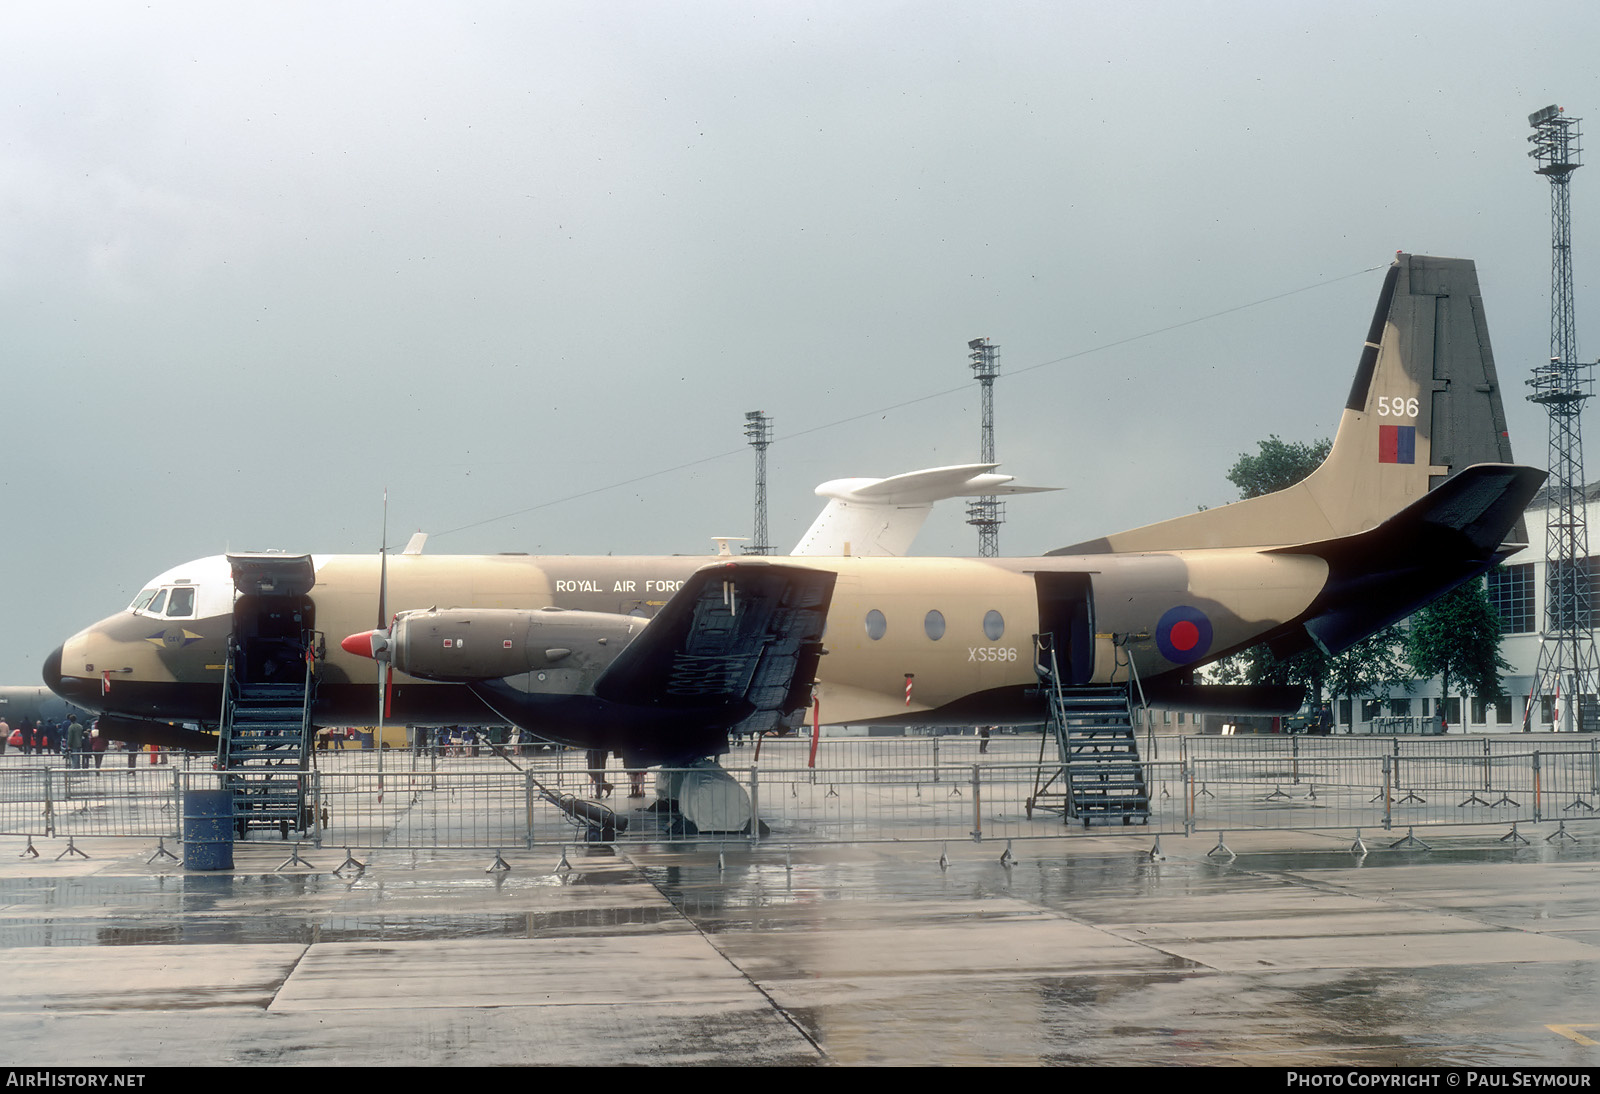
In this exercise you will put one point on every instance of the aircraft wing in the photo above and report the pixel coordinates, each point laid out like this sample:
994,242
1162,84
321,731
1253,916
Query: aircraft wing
747,631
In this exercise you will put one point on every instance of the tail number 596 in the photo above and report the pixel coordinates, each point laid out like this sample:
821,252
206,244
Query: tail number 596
1397,407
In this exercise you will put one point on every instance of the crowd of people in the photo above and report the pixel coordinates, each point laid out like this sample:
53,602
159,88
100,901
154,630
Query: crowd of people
81,744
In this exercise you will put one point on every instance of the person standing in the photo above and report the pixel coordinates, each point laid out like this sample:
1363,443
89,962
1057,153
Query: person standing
74,742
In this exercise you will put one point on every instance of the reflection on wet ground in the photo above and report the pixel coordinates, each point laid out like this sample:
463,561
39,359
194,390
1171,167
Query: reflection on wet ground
1285,949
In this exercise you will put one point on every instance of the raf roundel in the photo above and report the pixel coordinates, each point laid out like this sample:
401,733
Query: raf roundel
1183,635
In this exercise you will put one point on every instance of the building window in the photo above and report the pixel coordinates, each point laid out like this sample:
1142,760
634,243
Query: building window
1511,596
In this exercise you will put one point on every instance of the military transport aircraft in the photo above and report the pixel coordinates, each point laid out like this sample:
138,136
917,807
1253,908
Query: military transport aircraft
1417,496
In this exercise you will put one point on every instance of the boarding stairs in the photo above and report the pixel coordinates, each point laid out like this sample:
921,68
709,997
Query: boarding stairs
264,748
1097,777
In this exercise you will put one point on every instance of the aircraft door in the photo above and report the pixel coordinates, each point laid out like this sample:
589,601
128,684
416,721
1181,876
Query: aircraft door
1066,624
270,634
273,617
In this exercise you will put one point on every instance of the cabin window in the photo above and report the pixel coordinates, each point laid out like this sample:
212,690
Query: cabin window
994,625
933,625
877,625
180,605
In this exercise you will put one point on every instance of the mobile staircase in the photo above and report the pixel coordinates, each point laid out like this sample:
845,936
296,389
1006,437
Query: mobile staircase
1097,777
264,749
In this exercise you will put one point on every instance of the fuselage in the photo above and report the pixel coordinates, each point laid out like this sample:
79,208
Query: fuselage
909,641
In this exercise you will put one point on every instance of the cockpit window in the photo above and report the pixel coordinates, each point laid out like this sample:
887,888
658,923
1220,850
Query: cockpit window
160,602
144,598
180,605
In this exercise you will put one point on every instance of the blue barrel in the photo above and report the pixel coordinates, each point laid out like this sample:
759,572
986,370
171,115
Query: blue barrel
208,829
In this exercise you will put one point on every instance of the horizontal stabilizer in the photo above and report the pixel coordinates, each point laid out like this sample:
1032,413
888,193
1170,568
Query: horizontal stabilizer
1441,540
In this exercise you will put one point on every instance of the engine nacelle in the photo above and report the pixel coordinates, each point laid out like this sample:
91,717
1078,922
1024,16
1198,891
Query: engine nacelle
467,644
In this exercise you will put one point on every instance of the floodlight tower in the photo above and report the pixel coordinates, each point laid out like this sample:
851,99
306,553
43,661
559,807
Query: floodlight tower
1568,665
758,428
986,514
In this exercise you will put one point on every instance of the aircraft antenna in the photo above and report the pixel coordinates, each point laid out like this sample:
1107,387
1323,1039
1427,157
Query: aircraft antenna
1568,666
986,513
758,428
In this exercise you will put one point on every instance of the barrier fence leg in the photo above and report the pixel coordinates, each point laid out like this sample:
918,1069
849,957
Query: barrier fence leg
755,806
977,805
177,804
1388,793
527,806
318,806
1188,798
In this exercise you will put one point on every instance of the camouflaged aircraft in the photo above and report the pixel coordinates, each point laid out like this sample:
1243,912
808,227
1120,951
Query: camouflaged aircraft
662,658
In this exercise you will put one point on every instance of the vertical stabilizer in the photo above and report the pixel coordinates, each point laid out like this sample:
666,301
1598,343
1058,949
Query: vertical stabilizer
1425,404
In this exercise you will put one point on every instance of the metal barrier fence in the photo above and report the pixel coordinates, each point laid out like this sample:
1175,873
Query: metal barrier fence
40,800
862,789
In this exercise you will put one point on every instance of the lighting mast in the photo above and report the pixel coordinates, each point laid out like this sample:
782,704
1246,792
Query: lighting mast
986,513
758,428
1567,665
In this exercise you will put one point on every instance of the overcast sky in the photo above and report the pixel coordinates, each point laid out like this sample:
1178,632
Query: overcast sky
258,261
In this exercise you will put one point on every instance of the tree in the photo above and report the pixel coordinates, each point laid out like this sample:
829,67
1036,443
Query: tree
1277,466
1457,637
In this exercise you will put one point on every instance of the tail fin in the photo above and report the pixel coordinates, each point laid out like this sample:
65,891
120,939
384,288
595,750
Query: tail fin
1425,405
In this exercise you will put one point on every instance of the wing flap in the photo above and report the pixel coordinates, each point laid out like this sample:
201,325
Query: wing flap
746,633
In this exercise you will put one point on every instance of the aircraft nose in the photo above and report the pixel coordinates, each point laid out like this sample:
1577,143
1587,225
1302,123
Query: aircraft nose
72,689
52,670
